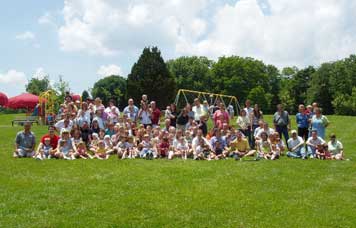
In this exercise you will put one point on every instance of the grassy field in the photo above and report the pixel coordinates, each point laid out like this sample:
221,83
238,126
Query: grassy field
161,193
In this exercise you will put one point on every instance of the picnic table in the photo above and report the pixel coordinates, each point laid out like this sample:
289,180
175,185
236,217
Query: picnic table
22,119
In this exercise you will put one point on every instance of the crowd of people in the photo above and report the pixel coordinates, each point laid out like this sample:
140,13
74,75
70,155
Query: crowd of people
88,130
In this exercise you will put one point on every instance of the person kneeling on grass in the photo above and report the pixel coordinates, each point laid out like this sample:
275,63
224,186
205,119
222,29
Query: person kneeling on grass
25,142
296,146
313,143
180,150
335,148
239,148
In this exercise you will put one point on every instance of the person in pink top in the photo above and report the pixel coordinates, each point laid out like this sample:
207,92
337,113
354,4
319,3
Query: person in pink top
221,116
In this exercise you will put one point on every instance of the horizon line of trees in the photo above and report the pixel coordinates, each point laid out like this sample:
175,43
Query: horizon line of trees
332,85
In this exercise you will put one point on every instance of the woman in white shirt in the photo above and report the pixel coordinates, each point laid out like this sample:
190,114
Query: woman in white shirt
244,125
336,148
145,115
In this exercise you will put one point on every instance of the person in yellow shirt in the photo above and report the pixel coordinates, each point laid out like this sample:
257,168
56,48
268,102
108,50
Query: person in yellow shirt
239,148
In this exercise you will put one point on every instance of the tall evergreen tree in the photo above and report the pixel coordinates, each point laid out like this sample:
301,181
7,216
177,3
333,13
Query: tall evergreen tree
150,75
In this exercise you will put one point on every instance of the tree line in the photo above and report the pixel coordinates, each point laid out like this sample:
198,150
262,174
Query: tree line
332,85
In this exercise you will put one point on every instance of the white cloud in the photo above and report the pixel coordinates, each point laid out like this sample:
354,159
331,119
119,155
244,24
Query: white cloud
109,70
12,82
280,32
111,27
40,73
47,19
25,36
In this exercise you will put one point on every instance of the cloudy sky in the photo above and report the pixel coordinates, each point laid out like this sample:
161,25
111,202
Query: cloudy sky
84,40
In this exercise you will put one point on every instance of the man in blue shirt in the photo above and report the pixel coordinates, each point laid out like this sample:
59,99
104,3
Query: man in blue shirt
302,119
25,142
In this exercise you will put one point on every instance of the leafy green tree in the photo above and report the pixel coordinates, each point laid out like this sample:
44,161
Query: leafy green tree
61,87
319,88
150,75
237,76
258,96
85,95
112,87
345,104
192,73
37,86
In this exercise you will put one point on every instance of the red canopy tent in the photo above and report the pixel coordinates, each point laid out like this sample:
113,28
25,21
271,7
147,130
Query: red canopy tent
3,99
75,97
25,101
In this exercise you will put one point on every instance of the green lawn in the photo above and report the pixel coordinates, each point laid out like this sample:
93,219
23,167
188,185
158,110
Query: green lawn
141,193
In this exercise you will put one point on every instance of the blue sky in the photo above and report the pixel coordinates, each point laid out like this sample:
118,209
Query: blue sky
85,40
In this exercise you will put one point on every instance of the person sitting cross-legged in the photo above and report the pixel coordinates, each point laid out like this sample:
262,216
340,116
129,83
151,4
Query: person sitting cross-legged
313,143
296,147
239,148
25,142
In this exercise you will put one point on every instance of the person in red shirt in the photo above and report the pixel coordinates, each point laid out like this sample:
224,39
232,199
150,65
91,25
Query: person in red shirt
156,113
53,138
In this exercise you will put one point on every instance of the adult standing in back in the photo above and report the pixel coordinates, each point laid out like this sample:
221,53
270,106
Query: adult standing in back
155,114
319,122
198,110
131,110
282,122
248,108
256,116
302,119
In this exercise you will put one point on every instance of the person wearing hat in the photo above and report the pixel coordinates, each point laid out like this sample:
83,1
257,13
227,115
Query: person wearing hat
296,147
25,142
336,148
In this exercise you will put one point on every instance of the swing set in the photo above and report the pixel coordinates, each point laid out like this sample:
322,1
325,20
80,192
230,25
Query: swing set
47,102
211,98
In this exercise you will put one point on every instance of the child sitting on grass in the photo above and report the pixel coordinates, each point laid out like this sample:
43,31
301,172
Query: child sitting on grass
45,151
181,149
263,147
163,147
129,150
147,150
82,151
100,152
218,152
322,152
202,151
94,143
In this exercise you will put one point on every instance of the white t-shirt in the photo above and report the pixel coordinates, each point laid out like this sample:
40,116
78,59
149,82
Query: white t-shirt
294,142
248,111
198,112
195,142
60,125
269,131
335,148
315,142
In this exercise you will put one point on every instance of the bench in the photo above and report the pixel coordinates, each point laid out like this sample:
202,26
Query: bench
22,120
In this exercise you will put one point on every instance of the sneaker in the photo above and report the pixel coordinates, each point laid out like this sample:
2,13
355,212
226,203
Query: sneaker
304,157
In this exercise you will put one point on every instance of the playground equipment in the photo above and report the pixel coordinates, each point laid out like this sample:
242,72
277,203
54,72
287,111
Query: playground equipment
211,98
47,103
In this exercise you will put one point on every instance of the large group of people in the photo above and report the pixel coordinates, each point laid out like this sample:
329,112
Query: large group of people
88,130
